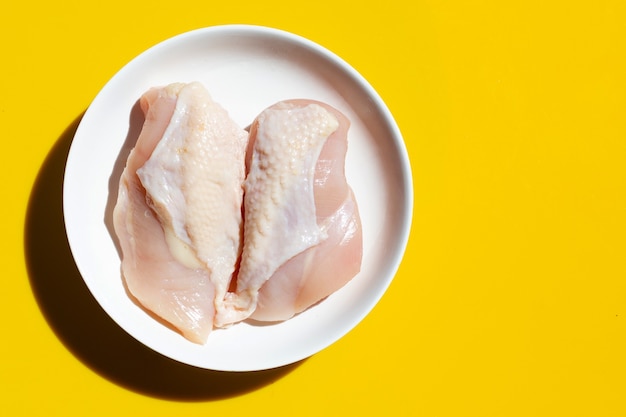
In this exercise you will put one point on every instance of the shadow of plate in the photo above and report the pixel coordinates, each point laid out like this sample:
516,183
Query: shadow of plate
83,326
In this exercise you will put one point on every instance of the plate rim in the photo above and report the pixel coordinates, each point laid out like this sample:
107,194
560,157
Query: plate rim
399,148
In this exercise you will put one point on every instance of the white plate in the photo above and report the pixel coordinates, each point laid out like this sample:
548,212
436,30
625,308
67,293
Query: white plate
246,69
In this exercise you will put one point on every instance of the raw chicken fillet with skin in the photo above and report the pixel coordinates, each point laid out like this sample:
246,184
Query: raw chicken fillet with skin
302,230
178,216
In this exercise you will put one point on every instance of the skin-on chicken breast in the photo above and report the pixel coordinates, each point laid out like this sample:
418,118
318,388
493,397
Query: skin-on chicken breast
178,216
302,231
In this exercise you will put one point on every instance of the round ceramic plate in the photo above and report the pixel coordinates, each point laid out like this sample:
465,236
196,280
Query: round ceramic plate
246,69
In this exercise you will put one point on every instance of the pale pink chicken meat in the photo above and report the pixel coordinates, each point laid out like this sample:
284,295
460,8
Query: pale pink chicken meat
302,230
178,215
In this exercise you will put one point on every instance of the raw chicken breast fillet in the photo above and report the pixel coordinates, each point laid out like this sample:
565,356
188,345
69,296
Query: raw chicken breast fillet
179,211
302,230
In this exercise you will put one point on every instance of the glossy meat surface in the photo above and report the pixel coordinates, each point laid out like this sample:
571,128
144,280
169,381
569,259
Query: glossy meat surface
302,232
218,225
178,215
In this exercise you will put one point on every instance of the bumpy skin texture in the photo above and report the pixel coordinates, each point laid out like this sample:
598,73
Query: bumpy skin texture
302,232
178,215
322,269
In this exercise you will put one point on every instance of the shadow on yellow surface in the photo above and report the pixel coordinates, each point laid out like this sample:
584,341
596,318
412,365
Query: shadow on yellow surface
81,324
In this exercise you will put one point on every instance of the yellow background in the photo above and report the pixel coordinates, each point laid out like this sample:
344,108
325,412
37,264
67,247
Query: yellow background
511,300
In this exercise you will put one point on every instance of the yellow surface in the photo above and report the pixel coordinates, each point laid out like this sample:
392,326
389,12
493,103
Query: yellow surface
511,300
